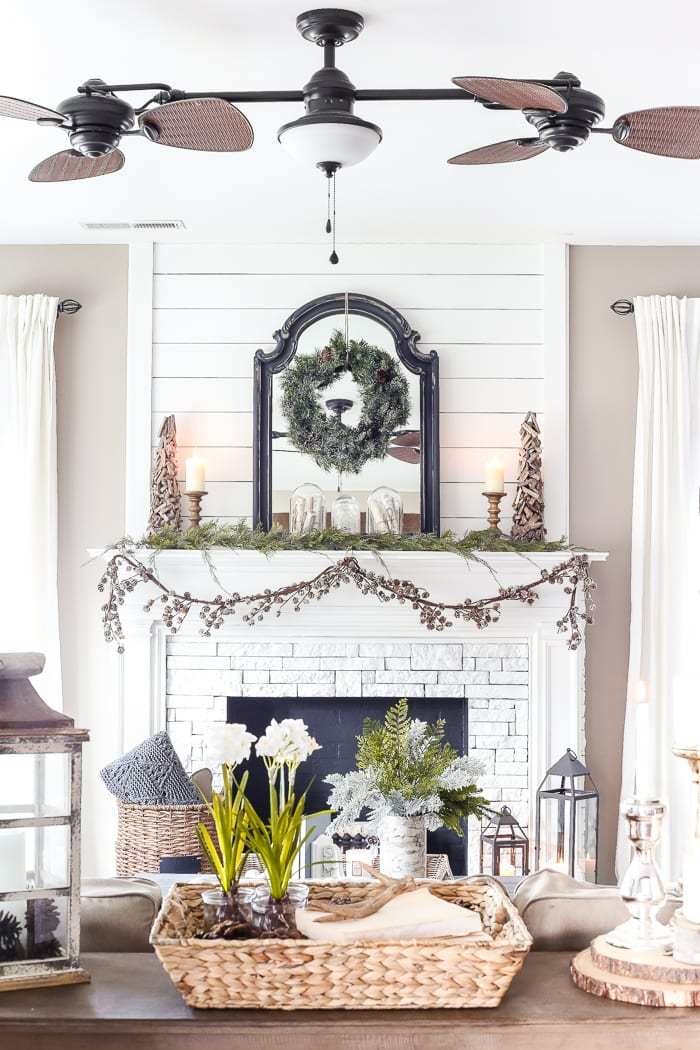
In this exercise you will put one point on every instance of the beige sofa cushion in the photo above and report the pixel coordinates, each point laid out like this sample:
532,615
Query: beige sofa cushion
116,915
565,915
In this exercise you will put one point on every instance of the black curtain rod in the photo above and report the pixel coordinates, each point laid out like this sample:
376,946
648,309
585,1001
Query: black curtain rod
69,306
622,307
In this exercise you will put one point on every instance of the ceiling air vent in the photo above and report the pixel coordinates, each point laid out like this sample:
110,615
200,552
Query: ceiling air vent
142,224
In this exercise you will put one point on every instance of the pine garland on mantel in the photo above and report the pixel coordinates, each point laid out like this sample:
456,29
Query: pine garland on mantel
240,536
126,571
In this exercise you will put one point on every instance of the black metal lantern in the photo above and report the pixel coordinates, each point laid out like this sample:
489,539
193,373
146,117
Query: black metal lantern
566,827
504,848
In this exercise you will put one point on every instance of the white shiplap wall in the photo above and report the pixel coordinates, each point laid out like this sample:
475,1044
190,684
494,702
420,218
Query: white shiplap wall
495,313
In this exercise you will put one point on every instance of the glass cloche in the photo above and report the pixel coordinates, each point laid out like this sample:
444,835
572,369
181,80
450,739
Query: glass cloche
307,509
384,511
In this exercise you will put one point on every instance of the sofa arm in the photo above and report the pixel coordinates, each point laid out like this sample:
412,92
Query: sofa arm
116,915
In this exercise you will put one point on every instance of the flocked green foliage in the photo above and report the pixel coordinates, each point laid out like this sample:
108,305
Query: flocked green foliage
405,767
386,405
241,537
384,747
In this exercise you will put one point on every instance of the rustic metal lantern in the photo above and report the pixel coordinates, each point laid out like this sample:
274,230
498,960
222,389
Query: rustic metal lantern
566,828
40,766
504,848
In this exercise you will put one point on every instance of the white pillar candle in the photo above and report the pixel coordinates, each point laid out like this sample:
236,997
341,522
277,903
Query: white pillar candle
642,752
494,473
691,881
194,473
13,872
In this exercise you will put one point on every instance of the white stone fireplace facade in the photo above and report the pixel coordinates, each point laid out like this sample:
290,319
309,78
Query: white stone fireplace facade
523,686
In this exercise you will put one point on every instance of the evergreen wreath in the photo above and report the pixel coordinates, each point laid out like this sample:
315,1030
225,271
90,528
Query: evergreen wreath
386,404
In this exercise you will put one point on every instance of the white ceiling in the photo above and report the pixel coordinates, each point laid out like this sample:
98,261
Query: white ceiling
634,53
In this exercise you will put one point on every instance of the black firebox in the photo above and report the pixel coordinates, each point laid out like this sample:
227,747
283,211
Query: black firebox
335,722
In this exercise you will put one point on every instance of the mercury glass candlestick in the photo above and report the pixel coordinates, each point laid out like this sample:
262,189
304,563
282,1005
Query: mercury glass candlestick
195,509
642,888
494,499
686,946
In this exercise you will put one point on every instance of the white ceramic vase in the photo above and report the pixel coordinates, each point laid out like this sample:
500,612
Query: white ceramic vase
402,847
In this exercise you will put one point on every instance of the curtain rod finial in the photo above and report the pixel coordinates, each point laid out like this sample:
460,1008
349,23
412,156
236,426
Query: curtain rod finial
69,306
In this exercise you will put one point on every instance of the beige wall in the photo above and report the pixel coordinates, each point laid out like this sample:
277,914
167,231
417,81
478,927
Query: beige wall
90,349
603,391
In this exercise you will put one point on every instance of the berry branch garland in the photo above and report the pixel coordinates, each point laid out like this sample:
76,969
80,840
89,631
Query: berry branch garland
386,404
124,573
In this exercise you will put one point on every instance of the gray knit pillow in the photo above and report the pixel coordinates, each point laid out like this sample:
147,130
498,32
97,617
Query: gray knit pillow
151,774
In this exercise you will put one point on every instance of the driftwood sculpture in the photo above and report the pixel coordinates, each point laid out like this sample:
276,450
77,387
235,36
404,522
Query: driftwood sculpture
165,491
341,910
528,505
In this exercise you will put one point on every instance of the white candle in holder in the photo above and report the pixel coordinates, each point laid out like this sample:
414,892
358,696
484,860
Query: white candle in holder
642,756
194,473
494,474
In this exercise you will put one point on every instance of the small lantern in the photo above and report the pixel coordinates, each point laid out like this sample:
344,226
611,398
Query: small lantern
40,760
503,846
566,829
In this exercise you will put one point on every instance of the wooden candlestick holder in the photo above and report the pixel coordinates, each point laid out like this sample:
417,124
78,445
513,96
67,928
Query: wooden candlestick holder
195,509
494,499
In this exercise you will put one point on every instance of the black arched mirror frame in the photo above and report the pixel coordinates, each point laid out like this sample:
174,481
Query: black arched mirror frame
422,364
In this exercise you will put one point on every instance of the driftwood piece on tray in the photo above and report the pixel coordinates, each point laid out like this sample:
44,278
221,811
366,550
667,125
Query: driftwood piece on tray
645,978
376,898
528,505
165,491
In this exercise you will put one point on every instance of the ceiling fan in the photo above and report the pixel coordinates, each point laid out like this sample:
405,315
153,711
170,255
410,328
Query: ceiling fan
329,134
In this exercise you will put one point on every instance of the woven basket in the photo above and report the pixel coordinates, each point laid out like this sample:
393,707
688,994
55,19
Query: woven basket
318,975
147,833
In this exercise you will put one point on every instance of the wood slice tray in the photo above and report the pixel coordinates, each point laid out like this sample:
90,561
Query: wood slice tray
644,978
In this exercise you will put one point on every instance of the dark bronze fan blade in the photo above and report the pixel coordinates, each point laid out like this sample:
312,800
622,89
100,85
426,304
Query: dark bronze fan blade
69,165
21,110
513,94
199,123
407,437
501,152
406,455
670,131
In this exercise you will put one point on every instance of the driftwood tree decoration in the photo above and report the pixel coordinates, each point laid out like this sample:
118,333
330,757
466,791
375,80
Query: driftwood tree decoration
528,505
165,491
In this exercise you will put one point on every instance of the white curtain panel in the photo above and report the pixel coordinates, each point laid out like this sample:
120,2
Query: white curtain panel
665,620
28,498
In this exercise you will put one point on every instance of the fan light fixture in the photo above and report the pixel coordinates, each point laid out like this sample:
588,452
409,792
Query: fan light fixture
330,140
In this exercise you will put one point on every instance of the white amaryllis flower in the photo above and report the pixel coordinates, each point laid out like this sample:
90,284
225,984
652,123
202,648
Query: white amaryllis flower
286,743
228,743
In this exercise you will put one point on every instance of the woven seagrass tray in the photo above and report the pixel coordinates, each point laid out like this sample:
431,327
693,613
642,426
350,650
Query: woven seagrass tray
435,972
147,833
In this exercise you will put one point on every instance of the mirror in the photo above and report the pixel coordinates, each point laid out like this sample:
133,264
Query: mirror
346,422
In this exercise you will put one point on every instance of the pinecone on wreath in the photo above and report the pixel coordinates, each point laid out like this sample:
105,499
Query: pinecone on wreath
382,376
326,355
528,505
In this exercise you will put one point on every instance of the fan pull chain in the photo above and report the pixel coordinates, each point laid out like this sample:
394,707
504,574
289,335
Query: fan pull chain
333,258
328,208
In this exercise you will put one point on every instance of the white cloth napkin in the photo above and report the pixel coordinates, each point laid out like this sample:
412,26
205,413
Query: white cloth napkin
407,917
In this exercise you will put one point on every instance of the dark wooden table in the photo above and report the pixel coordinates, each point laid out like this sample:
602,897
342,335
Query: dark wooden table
132,1005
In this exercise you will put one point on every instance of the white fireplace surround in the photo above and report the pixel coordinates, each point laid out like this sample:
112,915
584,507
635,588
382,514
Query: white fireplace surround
542,679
